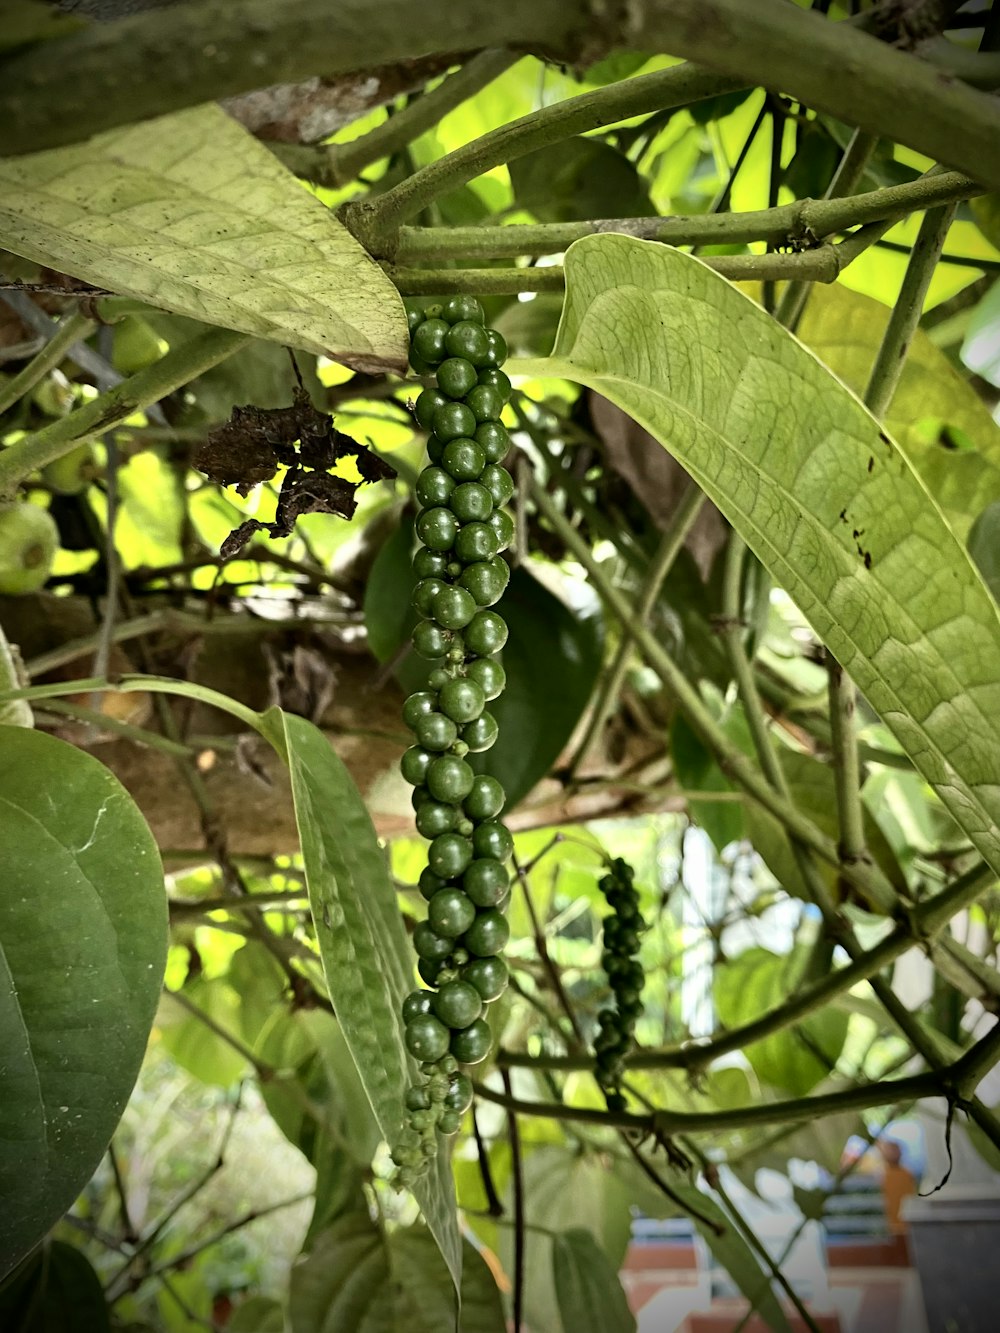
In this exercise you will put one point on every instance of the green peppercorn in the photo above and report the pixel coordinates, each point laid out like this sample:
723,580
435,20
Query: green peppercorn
453,421
476,542
493,839
426,1038
414,765
428,943
485,798
427,404
431,641
483,581
503,528
481,734
449,1122
449,855
438,528
434,488
463,458
449,779
429,564
451,913
462,700
457,1004
487,673
485,881
429,883
493,439
471,502
418,705
497,380
429,340
458,1098
487,934
498,481
488,975
463,308
484,402
453,607
435,818
472,1044
497,349
485,634
456,377
468,340
417,1002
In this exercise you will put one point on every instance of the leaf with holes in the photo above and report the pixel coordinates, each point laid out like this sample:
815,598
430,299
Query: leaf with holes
818,490
190,213
364,949
83,943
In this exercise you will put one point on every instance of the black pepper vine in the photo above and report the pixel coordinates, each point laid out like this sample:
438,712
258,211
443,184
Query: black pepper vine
463,528
616,1023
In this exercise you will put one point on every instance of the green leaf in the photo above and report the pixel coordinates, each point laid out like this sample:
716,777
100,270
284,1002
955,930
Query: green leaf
83,943
362,942
798,467
798,1058
259,1314
734,1254
813,788
845,329
981,348
190,213
566,1190
358,1278
984,547
192,1043
55,1290
697,770
552,659
389,617
579,178
591,1299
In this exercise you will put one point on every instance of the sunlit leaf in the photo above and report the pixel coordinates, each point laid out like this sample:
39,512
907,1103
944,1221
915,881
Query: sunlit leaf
819,492
797,1058
192,214
845,329
362,942
82,951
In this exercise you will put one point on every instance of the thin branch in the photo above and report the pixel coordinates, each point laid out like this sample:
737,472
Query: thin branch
517,1173
70,330
337,164
180,365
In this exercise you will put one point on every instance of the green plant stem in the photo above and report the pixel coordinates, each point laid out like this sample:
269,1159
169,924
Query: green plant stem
337,164
847,778
93,717
171,372
803,222
218,49
824,263
668,1124
134,684
734,763
670,547
845,181
71,330
905,317
376,221
925,921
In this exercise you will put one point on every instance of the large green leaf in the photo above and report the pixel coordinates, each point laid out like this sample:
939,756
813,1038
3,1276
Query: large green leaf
190,213
55,1290
845,329
579,178
359,1280
818,490
83,936
798,1058
362,942
591,1299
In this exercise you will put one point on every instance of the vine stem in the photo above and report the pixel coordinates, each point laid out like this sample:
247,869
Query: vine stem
866,878
668,1124
823,263
136,684
335,165
671,543
171,372
71,330
376,221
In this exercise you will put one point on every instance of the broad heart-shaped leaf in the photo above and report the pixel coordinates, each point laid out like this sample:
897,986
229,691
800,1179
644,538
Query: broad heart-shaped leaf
798,1058
362,943
931,402
819,492
358,1278
56,1289
83,943
591,1299
190,213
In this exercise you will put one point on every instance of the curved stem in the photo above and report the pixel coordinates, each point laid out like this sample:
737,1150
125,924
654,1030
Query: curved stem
171,372
135,684
71,330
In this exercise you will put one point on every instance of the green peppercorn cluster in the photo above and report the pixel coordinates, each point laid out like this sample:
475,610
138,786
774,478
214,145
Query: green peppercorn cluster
463,528
622,929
